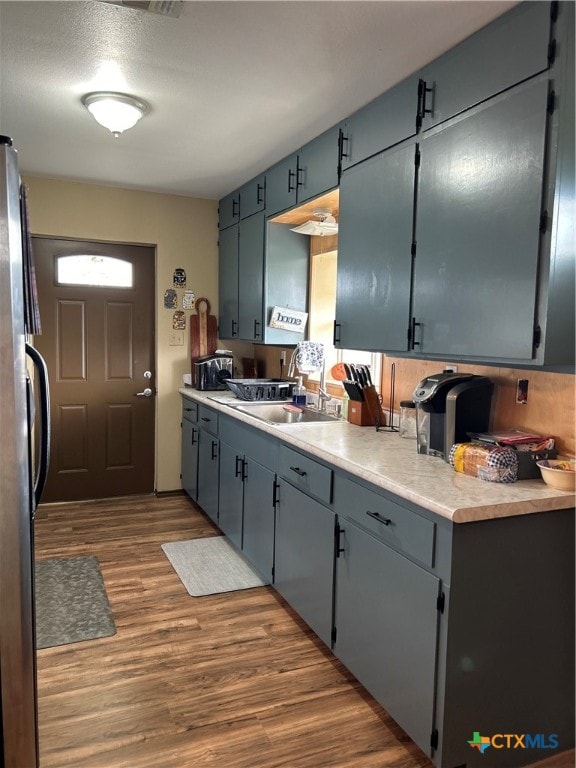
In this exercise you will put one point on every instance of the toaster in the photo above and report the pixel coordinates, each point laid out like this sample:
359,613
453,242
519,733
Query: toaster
211,371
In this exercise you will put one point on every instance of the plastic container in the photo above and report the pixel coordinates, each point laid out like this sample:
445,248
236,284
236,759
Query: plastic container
407,427
299,393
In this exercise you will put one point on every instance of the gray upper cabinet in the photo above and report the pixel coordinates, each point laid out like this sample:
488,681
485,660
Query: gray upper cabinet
253,197
261,265
374,252
305,174
511,49
387,120
478,230
229,210
251,277
228,283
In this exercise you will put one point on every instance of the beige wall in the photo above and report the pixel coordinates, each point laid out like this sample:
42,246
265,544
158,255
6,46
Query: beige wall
184,231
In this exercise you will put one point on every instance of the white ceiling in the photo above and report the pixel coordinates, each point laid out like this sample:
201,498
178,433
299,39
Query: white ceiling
234,85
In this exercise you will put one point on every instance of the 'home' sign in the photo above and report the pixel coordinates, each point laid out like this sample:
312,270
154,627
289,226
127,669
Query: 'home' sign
288,319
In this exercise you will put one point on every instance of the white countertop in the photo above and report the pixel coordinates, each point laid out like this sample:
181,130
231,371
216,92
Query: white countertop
392,463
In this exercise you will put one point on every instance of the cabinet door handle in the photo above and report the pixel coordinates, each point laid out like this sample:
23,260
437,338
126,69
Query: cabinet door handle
259,194
379,517
336,333
298,471
238,468
256,329
422,109
291,177
300,176
234,208
412,334
214,454
193,440
244,470
234,328
341,154
275,497
340,550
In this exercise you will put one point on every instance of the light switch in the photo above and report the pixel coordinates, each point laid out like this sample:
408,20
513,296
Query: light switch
176,338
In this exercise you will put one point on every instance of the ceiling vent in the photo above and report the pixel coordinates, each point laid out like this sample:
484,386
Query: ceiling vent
161,7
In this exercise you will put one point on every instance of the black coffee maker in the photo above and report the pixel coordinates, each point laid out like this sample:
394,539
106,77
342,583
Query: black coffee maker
448,406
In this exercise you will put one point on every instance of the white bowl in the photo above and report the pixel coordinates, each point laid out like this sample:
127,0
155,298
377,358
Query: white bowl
559,473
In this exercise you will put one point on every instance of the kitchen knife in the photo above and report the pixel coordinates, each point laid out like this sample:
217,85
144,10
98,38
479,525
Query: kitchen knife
353,390
368,377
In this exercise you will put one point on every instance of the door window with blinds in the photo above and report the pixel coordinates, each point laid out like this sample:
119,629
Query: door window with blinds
95,270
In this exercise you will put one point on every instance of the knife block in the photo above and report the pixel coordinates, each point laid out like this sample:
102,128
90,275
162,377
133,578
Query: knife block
359,414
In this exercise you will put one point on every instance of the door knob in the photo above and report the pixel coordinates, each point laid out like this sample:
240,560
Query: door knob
147,374
146,393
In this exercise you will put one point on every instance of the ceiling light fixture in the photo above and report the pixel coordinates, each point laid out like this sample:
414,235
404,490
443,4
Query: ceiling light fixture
326,224
115,111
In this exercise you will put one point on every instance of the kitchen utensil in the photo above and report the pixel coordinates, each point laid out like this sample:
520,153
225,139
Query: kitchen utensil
368,377
373,402
338,372
203,331
353,390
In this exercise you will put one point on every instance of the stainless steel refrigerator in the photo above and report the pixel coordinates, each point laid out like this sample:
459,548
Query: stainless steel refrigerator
24,453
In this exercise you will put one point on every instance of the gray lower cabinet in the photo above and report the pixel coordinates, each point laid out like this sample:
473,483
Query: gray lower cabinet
247,492
304,557
386,621
374,253
208,461
189,444
231,493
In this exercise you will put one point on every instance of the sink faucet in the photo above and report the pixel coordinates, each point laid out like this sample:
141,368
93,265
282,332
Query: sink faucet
323,396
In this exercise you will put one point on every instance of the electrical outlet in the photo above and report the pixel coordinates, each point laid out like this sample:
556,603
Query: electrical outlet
176,339
283,356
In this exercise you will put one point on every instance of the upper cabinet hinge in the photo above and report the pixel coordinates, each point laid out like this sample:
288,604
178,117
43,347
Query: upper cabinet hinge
440,602
551,52
434,739
543,222
554,10
537,336
551,102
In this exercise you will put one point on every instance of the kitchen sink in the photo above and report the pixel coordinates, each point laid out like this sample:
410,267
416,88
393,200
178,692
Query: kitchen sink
277,413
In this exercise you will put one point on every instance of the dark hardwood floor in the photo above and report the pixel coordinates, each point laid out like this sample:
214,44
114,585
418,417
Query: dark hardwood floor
233,680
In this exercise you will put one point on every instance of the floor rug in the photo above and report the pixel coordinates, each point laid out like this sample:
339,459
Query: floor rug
71,602
211,565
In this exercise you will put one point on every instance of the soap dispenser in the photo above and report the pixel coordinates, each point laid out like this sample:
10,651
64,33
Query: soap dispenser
299,393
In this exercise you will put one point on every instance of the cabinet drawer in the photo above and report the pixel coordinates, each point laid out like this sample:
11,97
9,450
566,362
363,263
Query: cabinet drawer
310,476
189,410
390,522
208,419
250,442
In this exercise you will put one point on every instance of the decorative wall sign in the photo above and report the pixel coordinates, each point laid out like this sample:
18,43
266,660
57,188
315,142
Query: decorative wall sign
188,300
286,319
179,278
179,321
170,299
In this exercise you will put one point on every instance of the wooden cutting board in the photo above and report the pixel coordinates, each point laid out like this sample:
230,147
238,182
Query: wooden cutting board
203,332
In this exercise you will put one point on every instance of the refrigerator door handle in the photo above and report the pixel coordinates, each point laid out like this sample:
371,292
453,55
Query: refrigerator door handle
44,402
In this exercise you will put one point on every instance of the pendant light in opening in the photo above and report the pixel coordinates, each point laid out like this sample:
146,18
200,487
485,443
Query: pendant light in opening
324,224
